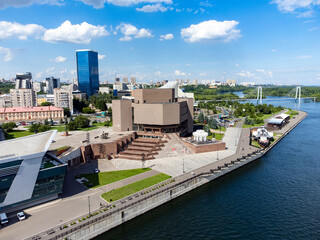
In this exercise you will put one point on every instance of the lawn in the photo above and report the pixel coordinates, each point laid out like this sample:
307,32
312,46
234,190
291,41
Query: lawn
124,191
103,178
217,136
292,113
17,134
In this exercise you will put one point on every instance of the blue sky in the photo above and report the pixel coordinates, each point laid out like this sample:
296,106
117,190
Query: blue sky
265,41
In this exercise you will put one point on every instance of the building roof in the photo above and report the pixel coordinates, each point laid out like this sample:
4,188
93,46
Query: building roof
282,116
276,121
29,109
23,146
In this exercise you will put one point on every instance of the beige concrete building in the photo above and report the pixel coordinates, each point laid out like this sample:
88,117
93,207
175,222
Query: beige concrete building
63,98
156,110
23,98
122,115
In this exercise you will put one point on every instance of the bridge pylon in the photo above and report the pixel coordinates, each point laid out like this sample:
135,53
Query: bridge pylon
298,94
259,95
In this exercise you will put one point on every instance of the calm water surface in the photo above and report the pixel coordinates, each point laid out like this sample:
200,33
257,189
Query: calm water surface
276,197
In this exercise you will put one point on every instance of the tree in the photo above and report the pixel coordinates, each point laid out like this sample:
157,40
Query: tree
109,111
201,117
207,129
66,112
8,127
61,121
46,104
212,123
82,121
72,126
46,122
88,110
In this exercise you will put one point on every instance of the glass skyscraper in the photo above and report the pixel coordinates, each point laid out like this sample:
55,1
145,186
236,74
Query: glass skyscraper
88,71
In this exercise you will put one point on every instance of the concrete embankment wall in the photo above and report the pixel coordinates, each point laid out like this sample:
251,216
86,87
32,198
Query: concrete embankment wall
100,224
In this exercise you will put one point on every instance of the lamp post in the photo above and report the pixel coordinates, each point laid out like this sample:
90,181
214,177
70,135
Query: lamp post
89,204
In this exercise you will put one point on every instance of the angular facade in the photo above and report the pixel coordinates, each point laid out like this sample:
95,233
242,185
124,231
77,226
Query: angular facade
29,175
156,110
88,71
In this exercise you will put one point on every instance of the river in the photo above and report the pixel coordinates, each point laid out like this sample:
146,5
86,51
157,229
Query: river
276,197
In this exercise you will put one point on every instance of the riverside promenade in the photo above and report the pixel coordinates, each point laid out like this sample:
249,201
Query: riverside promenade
243,155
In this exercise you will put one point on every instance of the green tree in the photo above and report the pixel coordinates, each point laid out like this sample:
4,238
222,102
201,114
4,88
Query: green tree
66,112
82,121
88,110
8,127
201,117
46,104
72,126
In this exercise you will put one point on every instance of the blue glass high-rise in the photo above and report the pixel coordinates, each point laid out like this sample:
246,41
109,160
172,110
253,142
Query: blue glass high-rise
88,71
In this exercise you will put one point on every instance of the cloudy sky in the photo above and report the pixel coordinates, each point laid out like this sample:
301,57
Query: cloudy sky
266,41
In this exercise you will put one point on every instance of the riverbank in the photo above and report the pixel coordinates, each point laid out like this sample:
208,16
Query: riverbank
182,184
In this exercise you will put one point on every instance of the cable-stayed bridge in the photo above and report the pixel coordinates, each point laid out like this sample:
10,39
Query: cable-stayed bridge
256,94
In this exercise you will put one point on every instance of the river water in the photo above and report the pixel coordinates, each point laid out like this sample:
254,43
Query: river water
276,197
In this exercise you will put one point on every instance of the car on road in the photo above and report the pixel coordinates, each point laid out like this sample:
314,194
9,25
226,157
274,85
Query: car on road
21,216
3,218
96,170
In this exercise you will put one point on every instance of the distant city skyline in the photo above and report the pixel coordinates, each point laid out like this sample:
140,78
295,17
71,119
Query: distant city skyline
267,41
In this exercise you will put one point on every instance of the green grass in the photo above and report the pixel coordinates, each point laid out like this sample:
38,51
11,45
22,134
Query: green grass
218,136
292,113
48,165
103,178
17,134
255,144
60,148
124,191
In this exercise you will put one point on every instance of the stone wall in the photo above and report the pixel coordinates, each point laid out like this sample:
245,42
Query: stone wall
202,148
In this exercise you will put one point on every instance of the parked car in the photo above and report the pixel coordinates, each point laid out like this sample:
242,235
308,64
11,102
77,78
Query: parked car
3,218
21,216
96,170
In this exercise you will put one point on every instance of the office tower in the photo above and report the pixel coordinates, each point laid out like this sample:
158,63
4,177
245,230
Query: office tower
125,80
88,71
133,80
52,83
24,80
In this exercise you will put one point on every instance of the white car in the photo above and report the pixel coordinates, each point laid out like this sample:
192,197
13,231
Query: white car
96,170
21,216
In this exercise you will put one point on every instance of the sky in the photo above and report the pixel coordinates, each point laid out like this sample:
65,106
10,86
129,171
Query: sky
262,41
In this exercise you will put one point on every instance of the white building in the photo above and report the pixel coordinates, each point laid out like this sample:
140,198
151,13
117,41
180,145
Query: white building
23,98
63,98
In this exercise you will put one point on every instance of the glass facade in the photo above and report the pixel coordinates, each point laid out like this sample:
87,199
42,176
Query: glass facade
88,71
49,182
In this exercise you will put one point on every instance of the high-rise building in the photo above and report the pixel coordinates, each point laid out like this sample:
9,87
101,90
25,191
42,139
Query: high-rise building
133,80
125,80
37,86
24,80
52,83
63,98
23,98
195,82
88,71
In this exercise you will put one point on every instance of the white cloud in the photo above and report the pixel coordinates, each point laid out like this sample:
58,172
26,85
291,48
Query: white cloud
152,8
273,50
303,57
157,73
60,59
313,29
7,54
73,71
203,74
20,31
244,73
24,3
265,72
129,31
292,5
100,57
39,75
123,3
168,36
211,30
79,33
179,73
50,71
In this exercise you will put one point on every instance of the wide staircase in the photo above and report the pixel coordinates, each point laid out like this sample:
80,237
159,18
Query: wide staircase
142,148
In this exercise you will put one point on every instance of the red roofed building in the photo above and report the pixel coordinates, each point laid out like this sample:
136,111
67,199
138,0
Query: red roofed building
16,114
